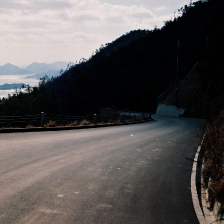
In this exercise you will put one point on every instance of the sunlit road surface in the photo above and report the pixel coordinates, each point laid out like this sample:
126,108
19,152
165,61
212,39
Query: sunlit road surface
127,174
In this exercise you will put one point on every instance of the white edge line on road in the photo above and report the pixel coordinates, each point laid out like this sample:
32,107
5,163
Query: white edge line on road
194,192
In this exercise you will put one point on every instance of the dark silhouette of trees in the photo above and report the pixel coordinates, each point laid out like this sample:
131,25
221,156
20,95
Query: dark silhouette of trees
134,69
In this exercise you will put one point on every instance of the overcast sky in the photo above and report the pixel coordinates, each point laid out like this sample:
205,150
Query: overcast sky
67,30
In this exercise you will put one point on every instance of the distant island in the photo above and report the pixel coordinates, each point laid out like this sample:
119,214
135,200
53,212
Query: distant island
7,86
39,70
50,73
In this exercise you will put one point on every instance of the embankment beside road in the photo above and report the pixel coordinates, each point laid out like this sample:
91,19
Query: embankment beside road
209,165
164,110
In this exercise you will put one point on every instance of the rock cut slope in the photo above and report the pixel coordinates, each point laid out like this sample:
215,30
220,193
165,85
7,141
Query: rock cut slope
196,94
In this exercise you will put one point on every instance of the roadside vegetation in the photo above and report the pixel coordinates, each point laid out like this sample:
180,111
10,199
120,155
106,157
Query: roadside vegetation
213,171
106,117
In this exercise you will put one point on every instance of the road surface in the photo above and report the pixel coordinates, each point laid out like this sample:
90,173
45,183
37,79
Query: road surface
132,174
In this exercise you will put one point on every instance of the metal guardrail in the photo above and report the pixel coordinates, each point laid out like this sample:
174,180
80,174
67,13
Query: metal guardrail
39,120
36,120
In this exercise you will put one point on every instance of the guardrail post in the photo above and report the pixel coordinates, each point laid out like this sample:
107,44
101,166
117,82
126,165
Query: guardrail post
42,119
121,118
95,119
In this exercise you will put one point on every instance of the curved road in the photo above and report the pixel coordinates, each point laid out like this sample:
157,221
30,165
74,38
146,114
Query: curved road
133,174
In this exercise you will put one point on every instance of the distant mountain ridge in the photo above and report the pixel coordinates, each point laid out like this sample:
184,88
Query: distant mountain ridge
9,69
40,69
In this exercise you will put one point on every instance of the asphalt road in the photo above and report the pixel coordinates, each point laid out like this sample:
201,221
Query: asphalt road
133,174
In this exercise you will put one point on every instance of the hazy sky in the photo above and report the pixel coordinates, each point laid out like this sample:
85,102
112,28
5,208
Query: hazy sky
66,30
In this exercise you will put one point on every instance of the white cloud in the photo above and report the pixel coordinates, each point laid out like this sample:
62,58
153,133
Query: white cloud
35,4
161,8
50,30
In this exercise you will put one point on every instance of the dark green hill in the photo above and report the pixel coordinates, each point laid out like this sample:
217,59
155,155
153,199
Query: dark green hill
133,70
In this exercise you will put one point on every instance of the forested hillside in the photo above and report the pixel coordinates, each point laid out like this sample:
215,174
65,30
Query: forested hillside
132,71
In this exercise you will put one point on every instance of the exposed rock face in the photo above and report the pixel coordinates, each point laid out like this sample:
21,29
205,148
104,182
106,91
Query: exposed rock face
196,94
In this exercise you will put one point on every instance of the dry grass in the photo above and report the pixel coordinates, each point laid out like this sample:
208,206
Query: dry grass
29,126
51,124
74,123
213,171
84,122
108,122
111,121
112,117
